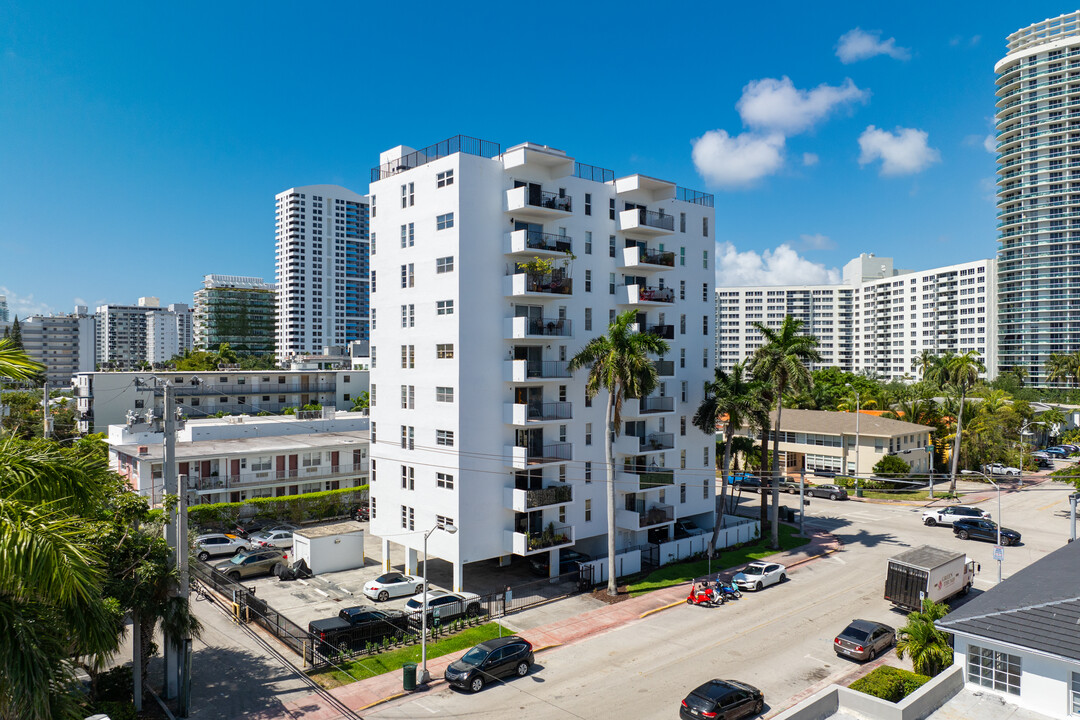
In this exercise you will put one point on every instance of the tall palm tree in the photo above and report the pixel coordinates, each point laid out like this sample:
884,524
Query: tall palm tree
962,372
15,363
782,360
923,363
735,396
619,363
1059,367
920,639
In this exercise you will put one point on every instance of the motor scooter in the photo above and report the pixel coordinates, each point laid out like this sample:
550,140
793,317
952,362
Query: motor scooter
702,594
727,590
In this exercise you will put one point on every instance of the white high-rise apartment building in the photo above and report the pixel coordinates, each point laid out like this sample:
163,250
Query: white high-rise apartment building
877,321
168,332
64,344
497,268
1038,133
4,309
122,331
321,269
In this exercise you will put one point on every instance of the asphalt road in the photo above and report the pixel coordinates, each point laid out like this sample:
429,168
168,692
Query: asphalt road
779,640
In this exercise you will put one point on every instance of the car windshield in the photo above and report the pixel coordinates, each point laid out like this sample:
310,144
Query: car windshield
237,559
474,656
386,578
854,633
754,570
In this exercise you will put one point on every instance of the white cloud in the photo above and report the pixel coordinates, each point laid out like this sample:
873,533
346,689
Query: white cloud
817,241
809,159
901,153
732,161
782,266
771,105
858,44
24,305
990,144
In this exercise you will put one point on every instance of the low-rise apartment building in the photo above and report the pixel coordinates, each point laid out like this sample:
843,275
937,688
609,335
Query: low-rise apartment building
105,398
237,458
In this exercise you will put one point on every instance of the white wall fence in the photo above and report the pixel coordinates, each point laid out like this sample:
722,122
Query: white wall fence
736,530
626,563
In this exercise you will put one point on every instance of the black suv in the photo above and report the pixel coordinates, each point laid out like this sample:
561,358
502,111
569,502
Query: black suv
496,658
356,626
833,492
983,530
722,700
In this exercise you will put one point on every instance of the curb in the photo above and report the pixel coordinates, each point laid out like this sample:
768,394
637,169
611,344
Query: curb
662,607
388,698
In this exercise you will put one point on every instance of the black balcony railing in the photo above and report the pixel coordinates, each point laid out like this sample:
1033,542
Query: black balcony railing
657,441
554,283
656,515
553,495
647,293
553,536
664,368
693,196
657,404
553,327
651,218
549,200
456,144
548,411
549,453
665,332
591,172
547,369
547,241
656,257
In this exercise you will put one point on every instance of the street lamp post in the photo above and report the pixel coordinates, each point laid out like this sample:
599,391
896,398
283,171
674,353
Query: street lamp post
424,677
998,525
1023,431
858,412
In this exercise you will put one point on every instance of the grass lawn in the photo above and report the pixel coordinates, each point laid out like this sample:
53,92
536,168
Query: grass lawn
917,495
372,665
678,573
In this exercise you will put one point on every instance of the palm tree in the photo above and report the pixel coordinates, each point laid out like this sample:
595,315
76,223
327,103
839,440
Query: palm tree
920,639
1059,368
962,372
735,396
619,363
15,363
923,363
782,361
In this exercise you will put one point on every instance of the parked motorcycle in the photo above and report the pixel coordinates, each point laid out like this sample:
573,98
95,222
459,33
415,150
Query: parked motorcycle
728,591
703,594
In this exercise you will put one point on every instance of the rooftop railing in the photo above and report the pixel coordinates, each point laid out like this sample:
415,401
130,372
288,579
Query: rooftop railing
591,172
693,196
450,146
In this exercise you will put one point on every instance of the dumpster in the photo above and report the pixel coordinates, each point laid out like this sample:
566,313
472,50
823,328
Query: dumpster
408,673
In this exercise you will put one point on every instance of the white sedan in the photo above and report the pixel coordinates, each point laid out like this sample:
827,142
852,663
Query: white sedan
216,544
757,575
271,538
999,469
392,584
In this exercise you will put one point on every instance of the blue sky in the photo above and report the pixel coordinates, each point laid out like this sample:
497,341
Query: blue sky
141,145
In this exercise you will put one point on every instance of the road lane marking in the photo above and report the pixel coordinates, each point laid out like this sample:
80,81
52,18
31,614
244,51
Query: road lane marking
838,560
422,706
817,659
1047,507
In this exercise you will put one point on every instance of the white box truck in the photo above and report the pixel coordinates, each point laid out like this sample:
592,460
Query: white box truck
927,572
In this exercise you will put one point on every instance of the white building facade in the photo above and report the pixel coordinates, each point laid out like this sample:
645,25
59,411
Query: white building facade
877,321
321,269
64,344
490,270
168,332
122,338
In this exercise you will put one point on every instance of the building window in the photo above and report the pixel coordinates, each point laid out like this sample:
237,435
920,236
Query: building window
444,481
588,319
682,222
371,396
705,257
444,351
407,279
705,489
444,222
611,285
682,425
611,211
408,235
995,669
588,281
311,459
588,203
705,357
682,289
682,324
588,471
444,394
408,436
404,510
444,178
588,510
684,386
704,324
588,433
682,256
373,498
705,458
443,521
408,478
611,245
682,492
682,459
705,226
444,307
682,357
444,437
704,292
1075,686
442,265
408,397
588,242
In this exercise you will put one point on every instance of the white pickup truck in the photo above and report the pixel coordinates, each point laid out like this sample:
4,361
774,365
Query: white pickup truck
946,515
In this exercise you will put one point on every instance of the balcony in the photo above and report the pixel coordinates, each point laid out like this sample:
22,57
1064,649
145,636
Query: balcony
521,328
654,515
647,259
646,222
314,473
664,368
645,295
664,332
629,480
527,242
653,442
533,413
652,404
520,500
534,285
531,202
529,370
530,543
520,458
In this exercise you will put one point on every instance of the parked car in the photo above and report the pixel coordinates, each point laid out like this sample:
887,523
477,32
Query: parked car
821,472
356,626
217,544
272,538
252,563
569,561
979,529
748,484
361,513
444,605
864,640
490,660
393,584
999,469
1056,452
757,575
946,515
722,700
685,529
1070,448
833,492
791,487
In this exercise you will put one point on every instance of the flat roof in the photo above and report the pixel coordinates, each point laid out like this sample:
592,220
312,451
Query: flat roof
341,528
251,445
825,422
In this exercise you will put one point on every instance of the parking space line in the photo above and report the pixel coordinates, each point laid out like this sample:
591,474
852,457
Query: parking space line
419,704
817,659
321,592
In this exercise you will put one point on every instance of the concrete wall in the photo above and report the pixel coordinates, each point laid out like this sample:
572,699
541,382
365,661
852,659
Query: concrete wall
626,563
917,706
738,530
1044,681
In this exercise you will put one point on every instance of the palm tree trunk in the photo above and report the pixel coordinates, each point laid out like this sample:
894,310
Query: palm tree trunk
721,504
774,511
612,586
764,514
956,443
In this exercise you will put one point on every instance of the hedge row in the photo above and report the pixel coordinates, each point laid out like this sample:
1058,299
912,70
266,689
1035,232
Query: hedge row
289,508
890,683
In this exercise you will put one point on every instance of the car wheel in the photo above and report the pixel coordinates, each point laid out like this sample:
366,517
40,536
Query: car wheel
234,576
871,655
477,684
204,556
419,589
783,577
930,522
833,496
759,706
758,586
1005,541
238,550
791,491
522,669
383,596
962,535
472,610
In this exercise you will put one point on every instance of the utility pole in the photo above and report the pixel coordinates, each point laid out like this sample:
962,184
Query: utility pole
802,500
46,429
171,651
1072,514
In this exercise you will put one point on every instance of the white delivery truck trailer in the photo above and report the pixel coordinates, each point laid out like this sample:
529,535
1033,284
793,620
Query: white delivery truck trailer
927,572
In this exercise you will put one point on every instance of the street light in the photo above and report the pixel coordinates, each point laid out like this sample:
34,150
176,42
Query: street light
997,549
1023,431
424,677
858,408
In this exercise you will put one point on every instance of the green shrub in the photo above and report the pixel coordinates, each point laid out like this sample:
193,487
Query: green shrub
892,466
291,508
889,683
115,684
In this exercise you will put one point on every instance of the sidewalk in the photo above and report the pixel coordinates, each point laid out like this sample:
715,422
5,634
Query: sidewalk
971,492
365,693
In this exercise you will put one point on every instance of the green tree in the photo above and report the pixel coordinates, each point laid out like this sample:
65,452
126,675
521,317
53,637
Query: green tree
923,363
892,466
920,640
15,363
16,334
361,401
618,363
226,356
962,371
1060,367
782,361
1053,420
733,396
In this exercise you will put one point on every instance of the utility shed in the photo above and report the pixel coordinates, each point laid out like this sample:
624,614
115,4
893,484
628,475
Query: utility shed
330,548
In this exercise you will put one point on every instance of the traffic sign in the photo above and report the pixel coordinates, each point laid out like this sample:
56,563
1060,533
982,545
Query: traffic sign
999,553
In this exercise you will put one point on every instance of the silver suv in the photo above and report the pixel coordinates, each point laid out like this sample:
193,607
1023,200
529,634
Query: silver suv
249,564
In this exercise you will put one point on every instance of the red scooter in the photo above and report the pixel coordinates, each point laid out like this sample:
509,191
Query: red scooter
703,594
